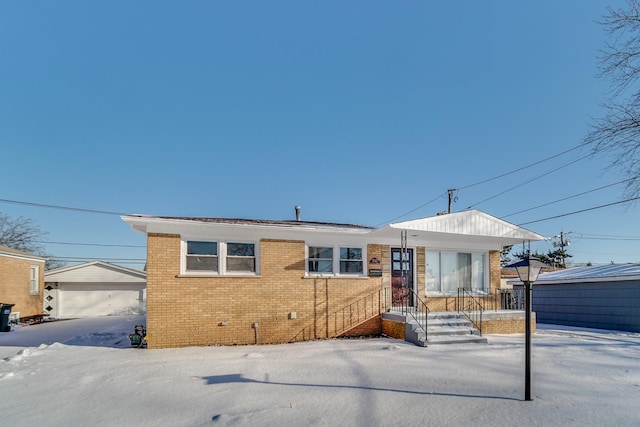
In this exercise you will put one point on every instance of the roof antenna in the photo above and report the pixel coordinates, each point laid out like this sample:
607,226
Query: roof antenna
297,212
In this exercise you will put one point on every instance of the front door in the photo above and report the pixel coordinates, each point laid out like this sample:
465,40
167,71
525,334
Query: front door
401,277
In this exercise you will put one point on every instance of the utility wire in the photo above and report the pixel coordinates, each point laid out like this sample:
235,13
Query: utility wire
606,237
411,211
487,180
41,205
530,180
567,198
89,244
522,168
63,258
580,211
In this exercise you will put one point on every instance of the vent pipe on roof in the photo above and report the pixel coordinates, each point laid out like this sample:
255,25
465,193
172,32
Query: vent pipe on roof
297,212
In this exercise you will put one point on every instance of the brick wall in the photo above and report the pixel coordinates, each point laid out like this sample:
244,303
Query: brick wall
371,327
393,329
507,325
15,275
285,305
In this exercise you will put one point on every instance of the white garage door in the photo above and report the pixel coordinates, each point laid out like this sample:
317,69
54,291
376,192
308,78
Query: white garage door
100,299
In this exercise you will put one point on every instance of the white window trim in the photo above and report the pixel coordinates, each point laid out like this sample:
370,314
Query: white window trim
336,260
222,259
35,291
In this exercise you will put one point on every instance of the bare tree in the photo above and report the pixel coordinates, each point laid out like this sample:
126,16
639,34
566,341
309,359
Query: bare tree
617,133
24,235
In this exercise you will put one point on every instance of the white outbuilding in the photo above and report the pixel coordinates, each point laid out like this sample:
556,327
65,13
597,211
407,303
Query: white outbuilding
93,289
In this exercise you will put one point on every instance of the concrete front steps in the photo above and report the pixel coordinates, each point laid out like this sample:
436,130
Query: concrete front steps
443,328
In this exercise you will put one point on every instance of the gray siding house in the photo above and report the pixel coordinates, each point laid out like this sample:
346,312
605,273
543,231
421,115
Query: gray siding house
602,297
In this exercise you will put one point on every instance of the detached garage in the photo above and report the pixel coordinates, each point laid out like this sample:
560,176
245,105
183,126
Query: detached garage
603,297
94,289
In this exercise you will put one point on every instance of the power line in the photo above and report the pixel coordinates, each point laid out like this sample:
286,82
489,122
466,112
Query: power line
90,244
607,237
567,198
67,208
412,210
580,211
488,180
531,180
522,168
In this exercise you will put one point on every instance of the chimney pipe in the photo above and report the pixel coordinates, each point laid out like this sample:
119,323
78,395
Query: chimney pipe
297,213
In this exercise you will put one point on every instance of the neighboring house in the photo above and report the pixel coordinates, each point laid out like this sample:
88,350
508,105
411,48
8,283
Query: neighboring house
238,281
603,297
21,282
92,289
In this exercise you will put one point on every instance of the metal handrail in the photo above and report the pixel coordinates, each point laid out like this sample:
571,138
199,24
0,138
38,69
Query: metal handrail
471,308
351,315
411,304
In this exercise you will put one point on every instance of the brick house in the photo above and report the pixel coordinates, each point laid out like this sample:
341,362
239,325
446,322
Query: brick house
217,281
21,281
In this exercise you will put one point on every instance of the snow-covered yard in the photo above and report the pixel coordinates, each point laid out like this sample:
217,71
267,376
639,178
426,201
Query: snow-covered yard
580,377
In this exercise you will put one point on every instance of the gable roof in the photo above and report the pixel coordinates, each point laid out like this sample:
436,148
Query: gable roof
86,271
471,227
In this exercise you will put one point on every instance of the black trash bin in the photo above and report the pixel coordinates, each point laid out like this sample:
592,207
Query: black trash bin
5,311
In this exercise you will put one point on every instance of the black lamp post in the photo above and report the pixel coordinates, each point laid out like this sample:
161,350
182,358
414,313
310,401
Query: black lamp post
528,270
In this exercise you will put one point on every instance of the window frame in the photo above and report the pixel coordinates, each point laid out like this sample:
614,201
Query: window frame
319,259
472,269
34,282
187,255
222,256
336,260
227,271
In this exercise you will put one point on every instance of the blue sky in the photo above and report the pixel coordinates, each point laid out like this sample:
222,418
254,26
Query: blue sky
358,111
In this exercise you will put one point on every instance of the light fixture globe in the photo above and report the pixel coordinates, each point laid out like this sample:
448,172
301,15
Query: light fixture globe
528,268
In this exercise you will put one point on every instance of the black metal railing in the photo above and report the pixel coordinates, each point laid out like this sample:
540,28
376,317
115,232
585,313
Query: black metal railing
412,305
471,308
511,299
357,312
333,324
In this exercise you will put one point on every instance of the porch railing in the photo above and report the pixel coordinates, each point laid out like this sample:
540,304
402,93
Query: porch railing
471,308
335,323
409,303
509,299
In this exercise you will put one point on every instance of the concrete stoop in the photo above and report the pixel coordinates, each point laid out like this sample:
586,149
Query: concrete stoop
443,328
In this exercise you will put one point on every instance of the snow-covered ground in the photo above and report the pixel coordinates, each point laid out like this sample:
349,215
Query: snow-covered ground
580,378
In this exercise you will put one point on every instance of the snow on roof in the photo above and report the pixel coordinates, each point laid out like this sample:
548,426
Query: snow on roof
243,221
596,273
